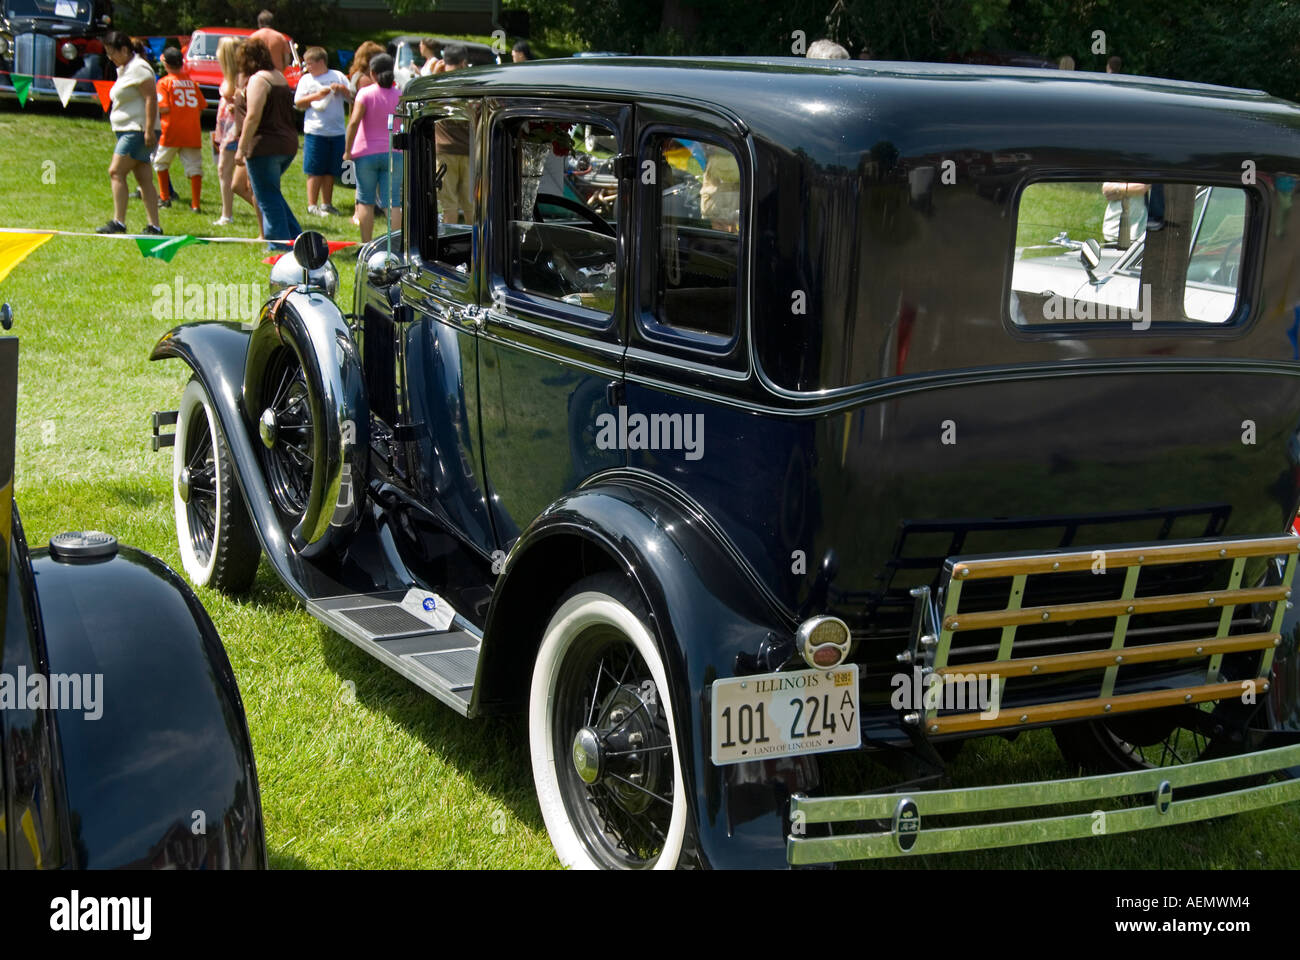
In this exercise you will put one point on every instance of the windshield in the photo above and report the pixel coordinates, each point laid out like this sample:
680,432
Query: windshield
62,9
203,45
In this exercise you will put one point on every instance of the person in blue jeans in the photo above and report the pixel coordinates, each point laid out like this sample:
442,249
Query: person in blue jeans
268,141
367,146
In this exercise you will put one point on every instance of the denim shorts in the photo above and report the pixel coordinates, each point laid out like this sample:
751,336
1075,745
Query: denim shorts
374,187
323,156
130,143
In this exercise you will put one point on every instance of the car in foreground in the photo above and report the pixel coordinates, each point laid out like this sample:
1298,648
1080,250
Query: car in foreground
203,68
123,741
751,466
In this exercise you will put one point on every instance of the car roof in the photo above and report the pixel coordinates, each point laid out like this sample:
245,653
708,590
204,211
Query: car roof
682,74
799,102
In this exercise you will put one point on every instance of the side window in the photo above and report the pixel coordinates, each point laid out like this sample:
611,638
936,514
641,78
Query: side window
691,257
448,179
561,213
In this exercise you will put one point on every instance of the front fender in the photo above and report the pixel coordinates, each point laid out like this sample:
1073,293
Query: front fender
159,768
218,354
707,612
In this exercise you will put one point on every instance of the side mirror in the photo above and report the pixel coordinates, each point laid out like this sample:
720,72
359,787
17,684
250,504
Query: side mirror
1090,257
6,316
310,250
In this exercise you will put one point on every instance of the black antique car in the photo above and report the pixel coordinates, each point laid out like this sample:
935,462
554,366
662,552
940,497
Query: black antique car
122,734
54,38
771,462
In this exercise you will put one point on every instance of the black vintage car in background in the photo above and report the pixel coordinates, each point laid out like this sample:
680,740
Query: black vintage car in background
787,452
122,735
55,38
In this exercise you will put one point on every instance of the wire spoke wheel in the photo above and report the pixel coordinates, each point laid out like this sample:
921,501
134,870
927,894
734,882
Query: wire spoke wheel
601,731
609,699
202,469
218,545
288,434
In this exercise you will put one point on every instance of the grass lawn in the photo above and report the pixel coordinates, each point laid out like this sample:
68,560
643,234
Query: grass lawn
388,777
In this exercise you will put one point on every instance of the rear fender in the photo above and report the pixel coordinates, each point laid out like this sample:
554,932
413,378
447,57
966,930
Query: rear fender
706,612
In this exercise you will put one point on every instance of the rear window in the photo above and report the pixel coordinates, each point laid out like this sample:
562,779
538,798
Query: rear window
1129,253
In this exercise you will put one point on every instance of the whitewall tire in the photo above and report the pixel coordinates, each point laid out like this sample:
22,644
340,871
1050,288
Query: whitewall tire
218,545
602,735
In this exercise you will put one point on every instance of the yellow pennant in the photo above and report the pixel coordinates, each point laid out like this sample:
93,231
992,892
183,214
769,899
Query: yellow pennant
14,247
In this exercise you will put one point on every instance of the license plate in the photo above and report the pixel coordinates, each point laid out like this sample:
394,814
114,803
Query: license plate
785,714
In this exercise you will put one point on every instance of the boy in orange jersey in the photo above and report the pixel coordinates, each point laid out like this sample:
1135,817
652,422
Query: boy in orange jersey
180,105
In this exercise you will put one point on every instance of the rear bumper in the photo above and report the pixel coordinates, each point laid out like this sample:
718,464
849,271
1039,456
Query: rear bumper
1152,800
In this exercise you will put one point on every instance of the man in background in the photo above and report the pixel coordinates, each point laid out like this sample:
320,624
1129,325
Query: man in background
274,40
451,144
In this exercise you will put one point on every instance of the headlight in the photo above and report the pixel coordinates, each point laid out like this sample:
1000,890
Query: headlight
68,51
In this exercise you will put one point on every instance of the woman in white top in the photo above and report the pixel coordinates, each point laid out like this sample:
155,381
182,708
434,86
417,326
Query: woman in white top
134,119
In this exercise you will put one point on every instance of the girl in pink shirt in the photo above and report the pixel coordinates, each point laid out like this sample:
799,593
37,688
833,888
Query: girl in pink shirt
367,147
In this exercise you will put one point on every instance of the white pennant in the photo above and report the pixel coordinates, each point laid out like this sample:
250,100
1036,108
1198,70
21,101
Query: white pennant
64,86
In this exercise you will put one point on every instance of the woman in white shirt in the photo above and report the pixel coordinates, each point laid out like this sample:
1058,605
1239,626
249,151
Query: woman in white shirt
134,119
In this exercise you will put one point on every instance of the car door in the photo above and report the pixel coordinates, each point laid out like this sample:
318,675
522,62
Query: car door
552,340
437,399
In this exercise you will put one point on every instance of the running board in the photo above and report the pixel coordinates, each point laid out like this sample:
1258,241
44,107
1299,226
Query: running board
443,663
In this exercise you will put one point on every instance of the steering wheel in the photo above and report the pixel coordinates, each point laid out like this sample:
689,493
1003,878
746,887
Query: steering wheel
598,223
1227,274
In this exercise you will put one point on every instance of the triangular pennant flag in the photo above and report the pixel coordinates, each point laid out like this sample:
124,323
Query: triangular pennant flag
15,246
104,88
345,57
164,248
65,86
22,86
157,45
334,245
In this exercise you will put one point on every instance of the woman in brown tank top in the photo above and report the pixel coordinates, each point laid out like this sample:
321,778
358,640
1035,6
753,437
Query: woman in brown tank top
269,139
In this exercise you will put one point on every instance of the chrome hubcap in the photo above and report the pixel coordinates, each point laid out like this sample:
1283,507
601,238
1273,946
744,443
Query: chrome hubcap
183,485
268,428
586,755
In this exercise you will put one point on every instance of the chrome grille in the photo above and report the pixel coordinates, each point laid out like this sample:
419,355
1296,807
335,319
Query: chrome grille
34,54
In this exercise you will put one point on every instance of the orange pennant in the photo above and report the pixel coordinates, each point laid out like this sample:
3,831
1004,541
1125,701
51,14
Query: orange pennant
104,88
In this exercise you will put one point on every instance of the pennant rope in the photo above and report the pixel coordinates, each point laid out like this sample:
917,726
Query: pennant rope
16,243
